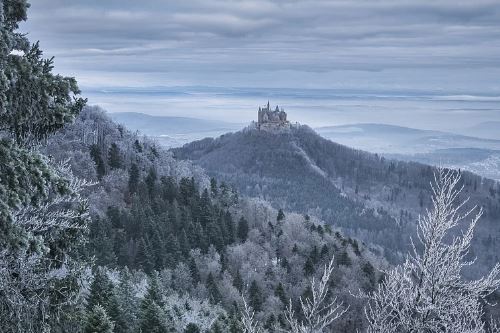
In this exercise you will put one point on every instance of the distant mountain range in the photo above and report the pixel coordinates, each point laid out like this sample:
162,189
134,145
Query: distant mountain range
370,197
173,131
478,155
487,130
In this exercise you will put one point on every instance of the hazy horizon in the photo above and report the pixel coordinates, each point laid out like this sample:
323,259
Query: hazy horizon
425,65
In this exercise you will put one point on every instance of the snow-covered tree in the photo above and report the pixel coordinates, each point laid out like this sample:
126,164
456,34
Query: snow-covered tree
319,310
43,218
248,321
98,321
427,293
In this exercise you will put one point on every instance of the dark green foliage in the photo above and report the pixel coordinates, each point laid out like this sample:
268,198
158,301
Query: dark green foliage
213,187
308,267
242,229
152,317
281,215
192,328
344,259
161,224
51,103
238,281
25,179
213,290
102,294
95,153
255,298
101,242
280,293
133,178
98,321
114,157
35,103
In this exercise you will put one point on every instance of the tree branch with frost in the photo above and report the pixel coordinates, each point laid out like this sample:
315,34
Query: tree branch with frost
248,321
318,311
427,293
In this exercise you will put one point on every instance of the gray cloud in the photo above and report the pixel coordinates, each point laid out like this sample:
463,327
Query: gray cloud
443,45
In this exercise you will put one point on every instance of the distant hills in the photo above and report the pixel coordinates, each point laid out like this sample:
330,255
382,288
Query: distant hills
488,130
478,155
173,131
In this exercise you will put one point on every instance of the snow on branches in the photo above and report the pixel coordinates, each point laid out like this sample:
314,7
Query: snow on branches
427,293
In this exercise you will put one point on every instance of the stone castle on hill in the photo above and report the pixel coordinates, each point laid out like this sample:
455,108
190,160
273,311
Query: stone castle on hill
268,118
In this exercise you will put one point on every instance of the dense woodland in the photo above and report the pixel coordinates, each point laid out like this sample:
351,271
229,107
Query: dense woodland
369,197
200,240
103,231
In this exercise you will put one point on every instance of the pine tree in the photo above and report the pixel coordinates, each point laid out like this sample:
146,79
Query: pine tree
151,181
152,315
280,293
114,157
213,187
35,259
102,294
98,321
133,178
238,281
255,297
308,267
127,303
95,153
192,328
195,274
242,229
281,215
213,291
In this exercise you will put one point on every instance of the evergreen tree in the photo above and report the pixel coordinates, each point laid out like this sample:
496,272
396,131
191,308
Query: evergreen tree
114,157
98,321
95,153
255,297
238,281
102,294
101,242
34,103
195,274
137,146
152,316
242,229
213,187
133,178
151,181
281,215
308,267
127,303
280,293
344,259
213,291
192,328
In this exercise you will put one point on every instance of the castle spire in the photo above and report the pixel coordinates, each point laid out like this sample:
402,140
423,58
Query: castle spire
268,105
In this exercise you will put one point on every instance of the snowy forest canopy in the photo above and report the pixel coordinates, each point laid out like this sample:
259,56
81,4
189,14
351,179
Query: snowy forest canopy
102,230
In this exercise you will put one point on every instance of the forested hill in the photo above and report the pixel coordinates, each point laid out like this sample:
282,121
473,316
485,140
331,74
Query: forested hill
369,197
158,222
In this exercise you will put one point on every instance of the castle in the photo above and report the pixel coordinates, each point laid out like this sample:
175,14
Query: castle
268,118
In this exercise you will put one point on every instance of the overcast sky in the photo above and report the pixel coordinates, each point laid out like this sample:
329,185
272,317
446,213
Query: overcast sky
447,47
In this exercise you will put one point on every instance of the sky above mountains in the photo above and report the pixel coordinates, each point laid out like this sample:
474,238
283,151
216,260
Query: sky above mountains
398,47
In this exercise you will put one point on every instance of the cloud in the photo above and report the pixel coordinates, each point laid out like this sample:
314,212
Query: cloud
231,41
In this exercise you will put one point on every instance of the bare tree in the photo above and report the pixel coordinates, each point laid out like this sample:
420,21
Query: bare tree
248,321
427,293
318,311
